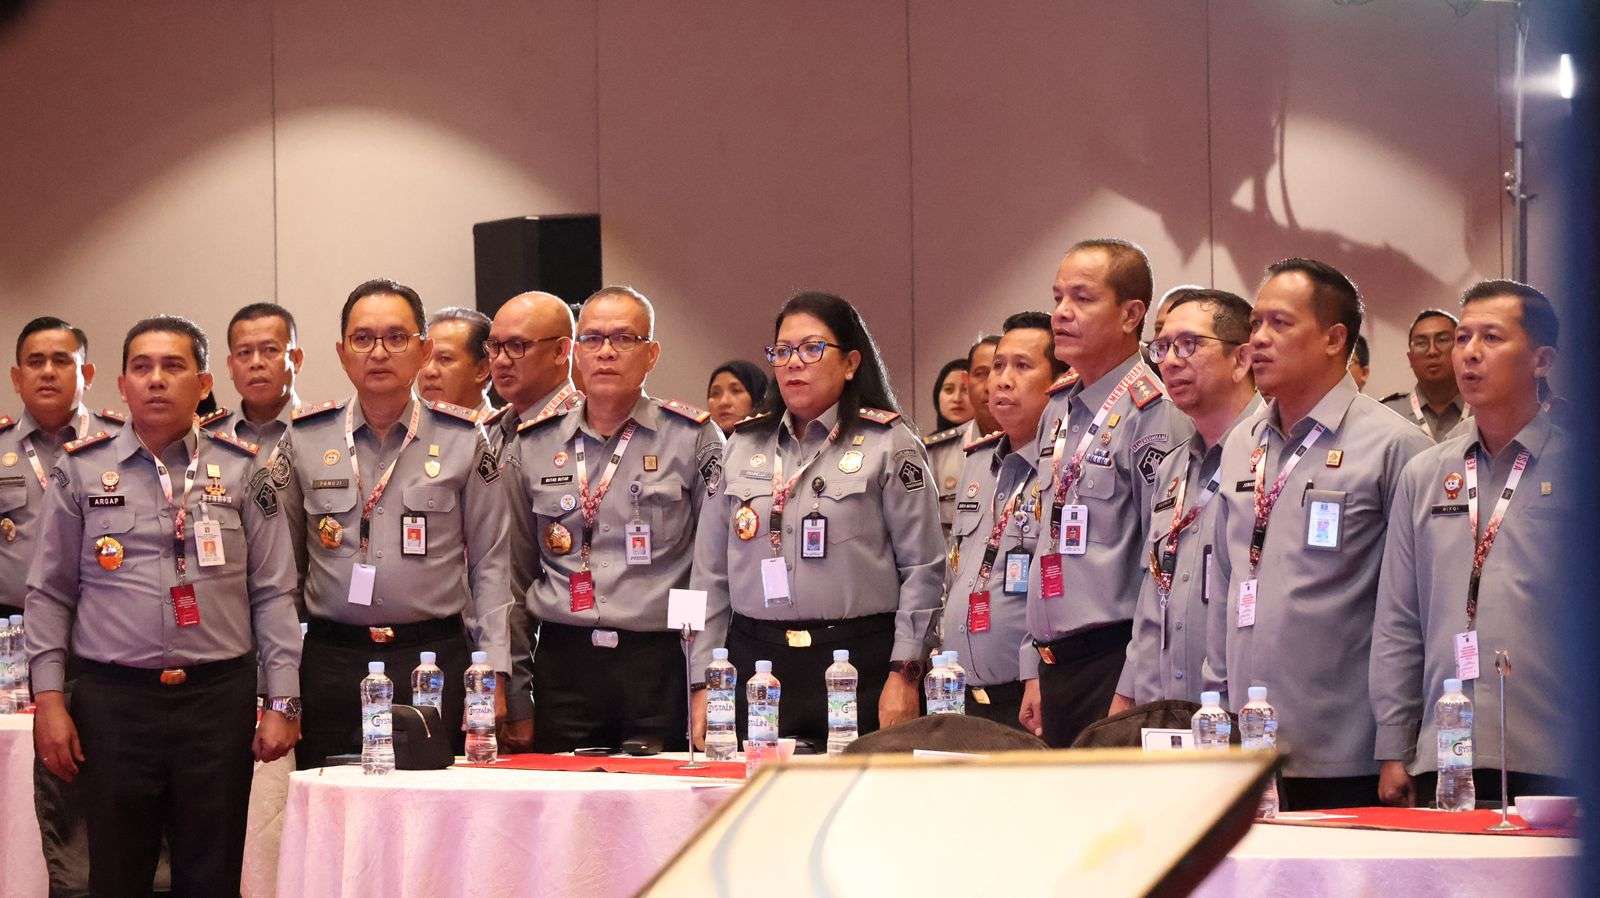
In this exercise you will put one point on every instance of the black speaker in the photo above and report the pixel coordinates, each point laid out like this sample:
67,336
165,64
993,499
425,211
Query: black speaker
557,254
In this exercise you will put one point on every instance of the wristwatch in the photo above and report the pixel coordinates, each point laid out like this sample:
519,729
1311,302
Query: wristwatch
911,670
288,707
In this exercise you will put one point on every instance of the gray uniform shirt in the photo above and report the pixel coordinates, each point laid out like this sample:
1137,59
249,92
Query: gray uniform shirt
107,490
946,456
22,496
1422,603
885,548
993,469
460,500
661,482
1313,621
1119,474
1168,646
275,456
1437,425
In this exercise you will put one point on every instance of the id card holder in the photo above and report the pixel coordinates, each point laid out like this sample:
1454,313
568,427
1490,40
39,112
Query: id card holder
362,578
414,534
1247,603
185,607
978,612
1467,655
581,587
1074,529
814,536
1051,584
208,543
775,583
638,536
1016,582
1322,525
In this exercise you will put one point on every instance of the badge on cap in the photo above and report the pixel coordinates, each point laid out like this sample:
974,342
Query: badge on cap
1452,485
330,532
557,539
850,462
1335,457
331,457
9,459
745,523
108,552
758,460
110,479
8,530
560,459
651,463
569,502
431,467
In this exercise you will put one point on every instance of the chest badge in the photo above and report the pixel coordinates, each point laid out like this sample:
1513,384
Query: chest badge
745,523
108,552
9,459
331,457
557,539
560,459
850,462
8,530
330,533
109,480
1335,457
758,460
431,467
1452,485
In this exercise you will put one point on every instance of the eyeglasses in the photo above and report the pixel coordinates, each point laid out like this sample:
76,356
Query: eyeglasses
1184,345
516,347
810,352
395,342
621,342
269,353
1443,342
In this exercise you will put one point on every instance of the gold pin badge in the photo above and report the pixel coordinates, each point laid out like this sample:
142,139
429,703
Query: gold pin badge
558,539
560,460
798,639
109,480
9,459
216,489
108,552
950,483
758,460
431,467
1105,437
953,559
213,471
330,532
651,463
1113,420
1544,487
8,530
745,523
1452,485
1335,457
331,457
850,462
858,440
433,450
972,490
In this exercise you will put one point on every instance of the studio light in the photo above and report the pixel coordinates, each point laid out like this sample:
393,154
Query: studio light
1566,77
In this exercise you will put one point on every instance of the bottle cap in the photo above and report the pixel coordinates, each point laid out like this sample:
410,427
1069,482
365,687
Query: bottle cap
374,667
941,661
719,654
16,620
763,667
480,657
430,658
841,655
950,655
1210,698
1452,686
1258,693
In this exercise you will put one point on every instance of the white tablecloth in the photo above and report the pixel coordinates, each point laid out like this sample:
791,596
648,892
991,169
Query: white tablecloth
22,870
484,833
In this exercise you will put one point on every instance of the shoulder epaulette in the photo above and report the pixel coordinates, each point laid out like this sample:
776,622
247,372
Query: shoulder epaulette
879,416
1062,382
7,422
1393,396
557,412
1145,390
311,411
111,414
90,440
222,436
493,416
983,441
753,420
943,436
460,413
684,409
214,417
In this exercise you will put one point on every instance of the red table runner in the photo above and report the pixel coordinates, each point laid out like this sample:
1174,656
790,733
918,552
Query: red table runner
1419,820
621,764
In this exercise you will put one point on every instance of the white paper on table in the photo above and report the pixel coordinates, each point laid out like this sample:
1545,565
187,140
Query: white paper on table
686,606
1161,739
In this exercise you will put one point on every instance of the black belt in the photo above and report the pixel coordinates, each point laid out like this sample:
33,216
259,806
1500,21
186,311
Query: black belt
799,634
1099,639
397,635
559,633
193,674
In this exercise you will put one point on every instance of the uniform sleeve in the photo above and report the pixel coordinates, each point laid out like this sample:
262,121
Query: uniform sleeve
526,567
710,569
52,600
1395,669
273,586
911,517
1219,585
292,500
704,492
484,518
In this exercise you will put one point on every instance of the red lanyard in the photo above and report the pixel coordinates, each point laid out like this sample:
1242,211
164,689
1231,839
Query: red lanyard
383,482
1065,477
1482,545
180,508
1181,519
783,489
589,503
1266,501
1002,516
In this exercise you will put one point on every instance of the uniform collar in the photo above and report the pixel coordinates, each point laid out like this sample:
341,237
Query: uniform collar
1196,443
27,426
826,420
1329,410
1422,401
1027,454
1092,395
359,419
542,402
645,413
126,443
1533,436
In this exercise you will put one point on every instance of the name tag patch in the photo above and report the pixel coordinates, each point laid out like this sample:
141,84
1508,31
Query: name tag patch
553,481
1460,508
335,484
1244,486
966,506
107,501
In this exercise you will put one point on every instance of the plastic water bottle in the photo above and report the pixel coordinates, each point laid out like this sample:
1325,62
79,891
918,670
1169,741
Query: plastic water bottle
8,666
722,731
1452,717
481,684
1258,725
958,682
841,679
761,729
19,667
936,686
377,721
1211,724
427,684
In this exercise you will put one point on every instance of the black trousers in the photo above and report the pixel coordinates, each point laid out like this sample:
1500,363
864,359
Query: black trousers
1486,782
1076,690
334,662
1307,793
166,760
1005,703
586,695
803,702
64,835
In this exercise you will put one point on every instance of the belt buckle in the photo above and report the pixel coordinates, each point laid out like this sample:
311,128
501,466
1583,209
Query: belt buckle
174,676
381,635
798,639
1046,654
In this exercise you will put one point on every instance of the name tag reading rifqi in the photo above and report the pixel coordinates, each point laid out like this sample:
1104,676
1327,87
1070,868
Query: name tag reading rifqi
774,582
638,535
208,543
362,578
1074,530
1322,526
1247,603
1467,655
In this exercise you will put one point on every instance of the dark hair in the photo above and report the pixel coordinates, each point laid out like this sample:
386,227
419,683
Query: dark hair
1334,297
1035,321
208,404
747,373
1363,353
265,310
990,339
870,387
477,327
1230,312
940,422
1129,275
1539,318
626,292
199,347
381,287
51,323
1425,314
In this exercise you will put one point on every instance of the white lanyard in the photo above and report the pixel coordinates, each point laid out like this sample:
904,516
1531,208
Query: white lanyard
383,481
33,456
1065,477
1482,545
589,503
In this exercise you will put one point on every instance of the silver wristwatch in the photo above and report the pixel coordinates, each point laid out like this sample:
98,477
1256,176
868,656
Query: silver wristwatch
288,707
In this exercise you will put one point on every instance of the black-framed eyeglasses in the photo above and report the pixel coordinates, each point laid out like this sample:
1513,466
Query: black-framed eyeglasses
1184,345
395,342
516,347
1443,342
810,352
621,342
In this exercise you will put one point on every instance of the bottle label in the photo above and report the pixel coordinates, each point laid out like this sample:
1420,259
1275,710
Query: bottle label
377,721
720,709
480,711
841,710
763,726
1455,747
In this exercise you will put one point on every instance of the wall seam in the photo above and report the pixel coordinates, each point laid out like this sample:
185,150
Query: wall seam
1211,186
911,211
272,91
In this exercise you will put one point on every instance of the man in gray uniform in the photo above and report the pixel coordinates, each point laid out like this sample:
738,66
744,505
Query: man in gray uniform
607,496
1306,487
395,488
1434,404
169,569
1475,520
985,606
1204,354
458,370
1102,437
530,360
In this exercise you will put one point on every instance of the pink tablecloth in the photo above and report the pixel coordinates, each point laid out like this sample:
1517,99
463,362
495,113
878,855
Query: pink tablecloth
484,833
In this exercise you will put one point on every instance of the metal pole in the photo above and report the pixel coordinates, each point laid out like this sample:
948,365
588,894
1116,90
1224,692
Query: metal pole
688,695
1502,667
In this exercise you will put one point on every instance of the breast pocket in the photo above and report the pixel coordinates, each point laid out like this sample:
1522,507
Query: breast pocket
111,524
665,507
1325,519
231,523
333,521
849,508
1097,490
13,497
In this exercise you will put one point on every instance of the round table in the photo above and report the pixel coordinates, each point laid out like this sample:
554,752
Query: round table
485,832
